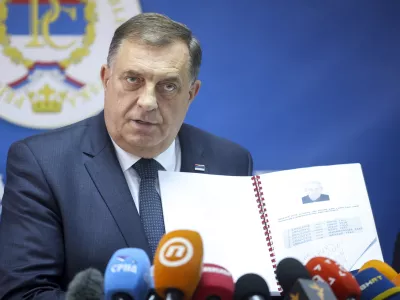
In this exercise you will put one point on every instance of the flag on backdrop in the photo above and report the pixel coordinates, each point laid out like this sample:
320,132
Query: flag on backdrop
50,57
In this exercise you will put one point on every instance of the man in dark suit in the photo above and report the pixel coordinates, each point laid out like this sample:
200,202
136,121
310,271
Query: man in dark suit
75,195
314,190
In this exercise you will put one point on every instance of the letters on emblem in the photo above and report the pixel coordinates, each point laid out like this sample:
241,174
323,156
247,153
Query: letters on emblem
40,26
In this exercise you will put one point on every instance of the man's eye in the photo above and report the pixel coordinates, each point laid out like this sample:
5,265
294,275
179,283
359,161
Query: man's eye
169,87
132,79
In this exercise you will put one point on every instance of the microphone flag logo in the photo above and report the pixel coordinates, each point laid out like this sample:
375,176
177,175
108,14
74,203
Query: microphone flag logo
176,252
318,289
295,296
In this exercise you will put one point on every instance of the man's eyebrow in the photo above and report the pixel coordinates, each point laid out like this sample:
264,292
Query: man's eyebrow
131,73
162,78
176,78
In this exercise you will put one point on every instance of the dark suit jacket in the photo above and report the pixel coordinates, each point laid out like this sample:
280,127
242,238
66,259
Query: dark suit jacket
67,205
307,199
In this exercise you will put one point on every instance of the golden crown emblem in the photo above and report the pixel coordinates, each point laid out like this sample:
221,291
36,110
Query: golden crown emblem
47,100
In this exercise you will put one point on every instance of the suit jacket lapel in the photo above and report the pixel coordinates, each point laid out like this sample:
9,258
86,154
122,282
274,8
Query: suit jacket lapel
192,152
104,169
107,175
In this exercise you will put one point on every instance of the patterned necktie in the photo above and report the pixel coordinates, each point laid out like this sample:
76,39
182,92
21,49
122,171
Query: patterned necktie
150,207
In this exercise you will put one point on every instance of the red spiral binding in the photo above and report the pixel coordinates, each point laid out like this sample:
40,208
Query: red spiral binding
265,222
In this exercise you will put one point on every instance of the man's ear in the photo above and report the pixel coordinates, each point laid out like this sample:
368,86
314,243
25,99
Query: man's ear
194,90
105,74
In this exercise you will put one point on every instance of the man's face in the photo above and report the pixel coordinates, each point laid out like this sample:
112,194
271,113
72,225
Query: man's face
148,91
314,191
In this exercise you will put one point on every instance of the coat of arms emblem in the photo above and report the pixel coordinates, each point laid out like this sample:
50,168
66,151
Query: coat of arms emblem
50,57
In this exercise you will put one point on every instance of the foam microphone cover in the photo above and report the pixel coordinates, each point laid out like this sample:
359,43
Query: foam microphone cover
288,271
396,280
178,263
215,283
342,282
251,286
127,275
374,285
381,267
86,285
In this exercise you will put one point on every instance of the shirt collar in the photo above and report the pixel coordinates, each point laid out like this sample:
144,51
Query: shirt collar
167,158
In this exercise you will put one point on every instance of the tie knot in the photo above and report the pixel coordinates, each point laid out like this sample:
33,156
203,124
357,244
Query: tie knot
147,168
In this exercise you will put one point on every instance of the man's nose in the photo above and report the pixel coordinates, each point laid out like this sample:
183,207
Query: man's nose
148,100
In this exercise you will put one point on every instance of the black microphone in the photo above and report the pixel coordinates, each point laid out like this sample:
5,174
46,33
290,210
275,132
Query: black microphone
86,285
288,271
297,283
251,287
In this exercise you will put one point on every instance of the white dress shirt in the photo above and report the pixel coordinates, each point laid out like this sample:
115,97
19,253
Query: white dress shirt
170,159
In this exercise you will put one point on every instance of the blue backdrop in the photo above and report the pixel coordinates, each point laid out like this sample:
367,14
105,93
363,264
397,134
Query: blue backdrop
298,83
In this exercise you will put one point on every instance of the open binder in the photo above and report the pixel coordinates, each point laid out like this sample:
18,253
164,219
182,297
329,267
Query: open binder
250,223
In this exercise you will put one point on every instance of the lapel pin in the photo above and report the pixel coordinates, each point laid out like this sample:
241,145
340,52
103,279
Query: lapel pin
200,168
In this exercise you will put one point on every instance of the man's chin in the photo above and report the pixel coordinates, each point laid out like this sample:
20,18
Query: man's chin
144,142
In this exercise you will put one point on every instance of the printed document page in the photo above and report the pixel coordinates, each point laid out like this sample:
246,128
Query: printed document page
223,209
321,211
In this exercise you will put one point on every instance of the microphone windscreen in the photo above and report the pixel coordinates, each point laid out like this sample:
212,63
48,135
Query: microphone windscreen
288,271
215,282
86,285
178,262
251,285
373,284
381,267
342,282
396,280
127,273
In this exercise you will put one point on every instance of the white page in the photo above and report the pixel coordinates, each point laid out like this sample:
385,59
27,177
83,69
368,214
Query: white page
322,233
223,209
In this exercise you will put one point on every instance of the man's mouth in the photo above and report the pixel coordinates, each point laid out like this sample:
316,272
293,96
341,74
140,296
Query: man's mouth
144,122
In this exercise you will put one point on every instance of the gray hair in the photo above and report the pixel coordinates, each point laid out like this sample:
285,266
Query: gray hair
157,30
